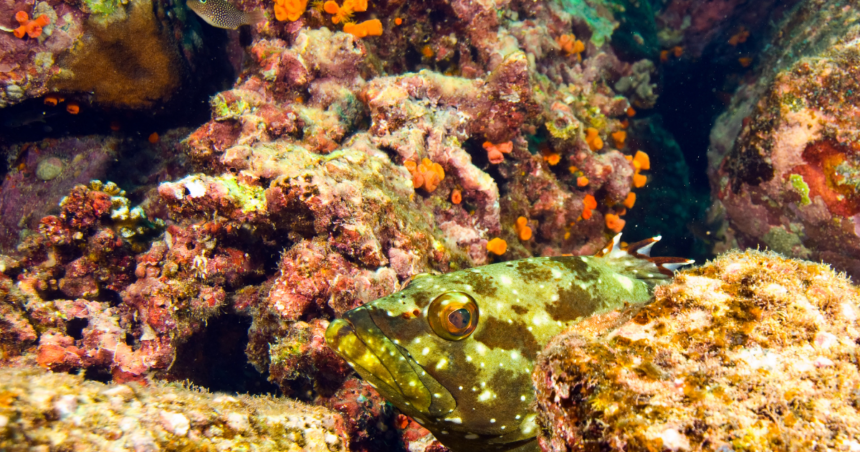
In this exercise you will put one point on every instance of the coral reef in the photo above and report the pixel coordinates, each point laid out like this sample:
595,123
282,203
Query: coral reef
783,158
743,353
42,410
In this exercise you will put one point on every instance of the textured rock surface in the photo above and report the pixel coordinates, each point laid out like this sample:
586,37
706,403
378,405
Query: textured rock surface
57,411
784,158
749,352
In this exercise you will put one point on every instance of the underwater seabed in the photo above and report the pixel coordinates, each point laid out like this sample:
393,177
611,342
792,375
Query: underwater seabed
198,225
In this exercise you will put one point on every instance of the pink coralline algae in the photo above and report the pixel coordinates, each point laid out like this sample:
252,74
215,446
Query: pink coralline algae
741,353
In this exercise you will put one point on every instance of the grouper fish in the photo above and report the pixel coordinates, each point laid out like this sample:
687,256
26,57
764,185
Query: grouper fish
456,351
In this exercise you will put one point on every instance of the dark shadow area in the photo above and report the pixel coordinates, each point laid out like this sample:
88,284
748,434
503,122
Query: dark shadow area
214,358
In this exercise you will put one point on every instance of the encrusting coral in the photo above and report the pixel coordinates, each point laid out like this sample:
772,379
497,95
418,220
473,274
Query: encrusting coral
752,351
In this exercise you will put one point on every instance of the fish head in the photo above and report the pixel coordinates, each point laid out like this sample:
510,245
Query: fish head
443,352
208,10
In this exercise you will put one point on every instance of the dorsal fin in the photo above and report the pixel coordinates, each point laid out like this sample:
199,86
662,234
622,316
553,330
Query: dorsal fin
635,260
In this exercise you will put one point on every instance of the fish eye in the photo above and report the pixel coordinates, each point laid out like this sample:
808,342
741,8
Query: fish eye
453,315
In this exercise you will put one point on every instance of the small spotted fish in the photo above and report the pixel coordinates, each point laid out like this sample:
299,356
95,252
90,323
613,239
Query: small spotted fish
456,351
222,14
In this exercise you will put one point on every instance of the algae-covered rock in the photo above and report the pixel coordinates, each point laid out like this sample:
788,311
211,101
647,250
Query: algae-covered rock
40,410
752,351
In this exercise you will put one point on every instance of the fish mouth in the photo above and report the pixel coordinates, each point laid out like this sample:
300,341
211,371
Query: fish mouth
391,369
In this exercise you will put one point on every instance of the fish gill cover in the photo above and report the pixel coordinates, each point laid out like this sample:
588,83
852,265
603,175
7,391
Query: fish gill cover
267,181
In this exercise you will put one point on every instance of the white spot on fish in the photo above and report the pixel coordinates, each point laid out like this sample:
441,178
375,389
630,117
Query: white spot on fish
523,398
625,282
425,351
468,359
505,280
515,354
515,291
482,349
554,298
518,416
485,395
528,425
442,364
556,273
454,420
493,421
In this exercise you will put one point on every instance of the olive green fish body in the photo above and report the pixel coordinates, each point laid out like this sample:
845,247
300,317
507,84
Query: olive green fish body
222,14
456,351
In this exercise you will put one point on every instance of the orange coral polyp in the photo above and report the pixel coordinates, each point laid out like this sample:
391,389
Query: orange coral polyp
356,5
525,233
614,222
521,221
495,152
581,181
630,200
426,174
367,28
620,137
639,180
643,160
331,7
595,143
497,246
456,197
34,30
31,28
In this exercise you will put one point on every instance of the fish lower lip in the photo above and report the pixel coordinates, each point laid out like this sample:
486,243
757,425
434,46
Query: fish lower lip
343,339
357,339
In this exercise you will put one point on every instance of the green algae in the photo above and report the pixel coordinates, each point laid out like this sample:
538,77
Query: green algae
601,26
249,198
224,109
800,187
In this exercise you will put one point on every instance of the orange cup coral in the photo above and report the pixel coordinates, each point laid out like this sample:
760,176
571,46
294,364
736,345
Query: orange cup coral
497,246
614,222
630,200
593,139
589,204
426,174
620,137
496,152
456,196
31,28
570,45
371,27
290,9
523,230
